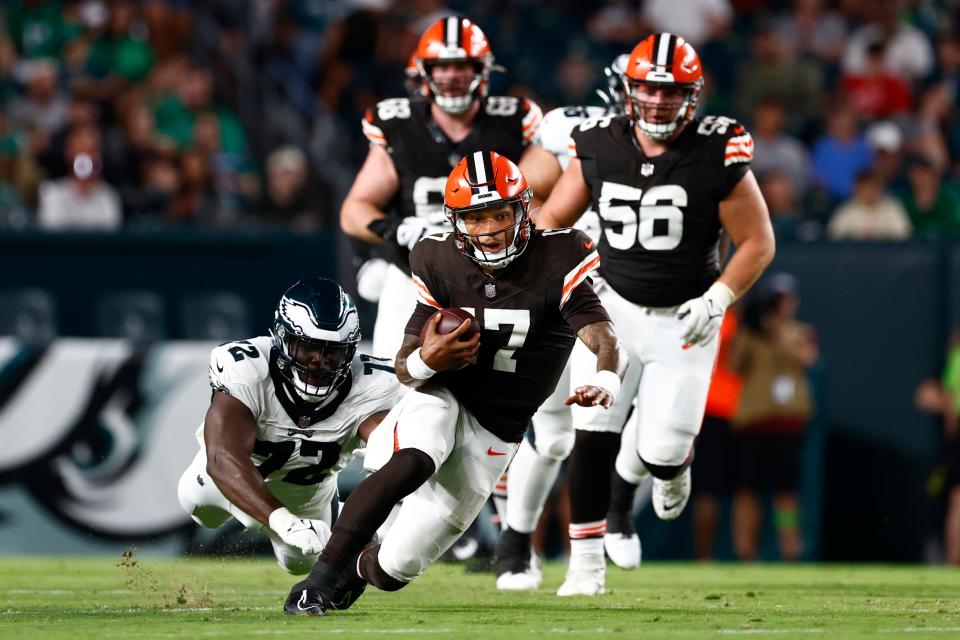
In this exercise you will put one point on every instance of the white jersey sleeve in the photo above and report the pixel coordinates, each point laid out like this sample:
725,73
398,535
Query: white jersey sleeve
376,387
239,370
554,132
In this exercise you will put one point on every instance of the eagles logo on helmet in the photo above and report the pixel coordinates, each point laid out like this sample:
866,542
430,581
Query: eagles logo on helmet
663,81
315,331
451,40
482,181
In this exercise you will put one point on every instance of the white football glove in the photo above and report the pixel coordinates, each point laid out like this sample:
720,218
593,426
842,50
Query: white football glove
371,278
413,228
310,536
704,315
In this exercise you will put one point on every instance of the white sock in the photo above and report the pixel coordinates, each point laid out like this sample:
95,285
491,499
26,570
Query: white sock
528,485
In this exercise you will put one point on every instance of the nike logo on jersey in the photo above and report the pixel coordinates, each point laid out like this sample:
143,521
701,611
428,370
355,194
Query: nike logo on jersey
588,244
219,368
491,452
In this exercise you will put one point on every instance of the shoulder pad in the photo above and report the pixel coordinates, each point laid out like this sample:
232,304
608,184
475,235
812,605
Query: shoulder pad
738,148
554,132
244,362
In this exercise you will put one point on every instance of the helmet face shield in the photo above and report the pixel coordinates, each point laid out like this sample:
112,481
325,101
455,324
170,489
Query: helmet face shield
660,109
453,83
493,235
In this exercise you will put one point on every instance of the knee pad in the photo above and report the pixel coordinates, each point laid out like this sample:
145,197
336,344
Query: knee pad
667,472
554,445
208,516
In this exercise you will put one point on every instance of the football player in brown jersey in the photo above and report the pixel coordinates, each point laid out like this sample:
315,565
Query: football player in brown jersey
665,185
470,401
397,196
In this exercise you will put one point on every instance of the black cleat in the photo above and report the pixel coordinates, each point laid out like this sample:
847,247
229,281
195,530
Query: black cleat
347,589
306,600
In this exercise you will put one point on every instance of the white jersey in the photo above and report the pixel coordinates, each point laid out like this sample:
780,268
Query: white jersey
554,136
554,132
293,448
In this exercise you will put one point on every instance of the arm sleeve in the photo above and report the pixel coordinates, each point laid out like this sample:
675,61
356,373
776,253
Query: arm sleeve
427,303
583,308
532,117
579,304
373,130
234,378
737,156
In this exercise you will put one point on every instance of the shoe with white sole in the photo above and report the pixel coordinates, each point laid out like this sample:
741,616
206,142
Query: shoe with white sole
585,576
516,564
623,549
670,496
523,576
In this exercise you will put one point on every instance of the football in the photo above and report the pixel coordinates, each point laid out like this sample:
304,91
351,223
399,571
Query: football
450,319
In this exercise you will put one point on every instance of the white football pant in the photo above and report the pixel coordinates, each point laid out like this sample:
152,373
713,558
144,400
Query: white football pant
469,461
202,500
668,382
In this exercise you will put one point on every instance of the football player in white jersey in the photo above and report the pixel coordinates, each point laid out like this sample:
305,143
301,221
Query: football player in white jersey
287,412
534,469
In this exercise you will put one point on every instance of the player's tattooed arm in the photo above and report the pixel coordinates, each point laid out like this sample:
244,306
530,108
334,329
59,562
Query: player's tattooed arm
601,339
229,434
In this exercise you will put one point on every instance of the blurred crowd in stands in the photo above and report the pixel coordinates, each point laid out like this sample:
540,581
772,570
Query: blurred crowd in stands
245,113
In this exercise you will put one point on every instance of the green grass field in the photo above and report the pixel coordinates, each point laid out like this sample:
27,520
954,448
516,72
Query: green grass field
105,598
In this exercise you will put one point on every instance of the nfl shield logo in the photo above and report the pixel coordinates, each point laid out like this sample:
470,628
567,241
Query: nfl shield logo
646,169
490,290
303,422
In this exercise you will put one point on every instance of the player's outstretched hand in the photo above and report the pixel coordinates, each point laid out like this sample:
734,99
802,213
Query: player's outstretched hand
590,396
446,351
310,536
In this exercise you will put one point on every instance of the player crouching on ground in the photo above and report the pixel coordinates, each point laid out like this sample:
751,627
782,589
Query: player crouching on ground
286,414
471,401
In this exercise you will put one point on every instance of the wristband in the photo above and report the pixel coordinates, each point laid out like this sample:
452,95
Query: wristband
386,228
608,381
281,519
417,368
721,293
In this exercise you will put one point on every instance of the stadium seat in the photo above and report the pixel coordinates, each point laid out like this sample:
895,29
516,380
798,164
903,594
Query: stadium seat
214,315
28,314
133,314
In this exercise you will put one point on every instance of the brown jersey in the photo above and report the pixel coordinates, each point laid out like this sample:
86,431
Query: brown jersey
660,217
423,155
529,313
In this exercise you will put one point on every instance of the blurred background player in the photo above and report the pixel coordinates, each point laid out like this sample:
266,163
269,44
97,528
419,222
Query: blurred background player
397,196
286,414
534,469
665,184
471,400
